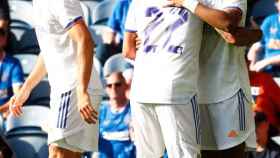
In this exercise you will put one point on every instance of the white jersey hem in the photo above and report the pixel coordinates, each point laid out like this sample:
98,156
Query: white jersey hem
63,135
223,98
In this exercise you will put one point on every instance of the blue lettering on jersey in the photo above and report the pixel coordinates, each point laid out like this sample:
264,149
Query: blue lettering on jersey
158,18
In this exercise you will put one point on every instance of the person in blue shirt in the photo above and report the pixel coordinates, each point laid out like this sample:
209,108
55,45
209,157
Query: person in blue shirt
269,45
11,73
115,138
113,36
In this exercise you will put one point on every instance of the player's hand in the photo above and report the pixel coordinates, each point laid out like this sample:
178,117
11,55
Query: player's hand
87,112
173,3
16,109
138,42
17,101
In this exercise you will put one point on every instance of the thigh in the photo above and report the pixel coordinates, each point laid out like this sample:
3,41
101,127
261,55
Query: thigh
235,152
180,126
148,137
57,151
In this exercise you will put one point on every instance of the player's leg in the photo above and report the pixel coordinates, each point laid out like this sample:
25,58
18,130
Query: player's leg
55,151
83,137
147,132
237,151
180,126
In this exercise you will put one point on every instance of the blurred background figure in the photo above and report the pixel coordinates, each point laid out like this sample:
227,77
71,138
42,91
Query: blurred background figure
266,147
266,93
11,73
269,60
113,36
116,132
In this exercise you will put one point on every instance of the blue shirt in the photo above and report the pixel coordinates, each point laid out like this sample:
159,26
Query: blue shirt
11,73
271,31
117,20
114,139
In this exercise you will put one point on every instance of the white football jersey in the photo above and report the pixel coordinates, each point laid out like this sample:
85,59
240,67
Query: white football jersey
52,19
222,66
166,65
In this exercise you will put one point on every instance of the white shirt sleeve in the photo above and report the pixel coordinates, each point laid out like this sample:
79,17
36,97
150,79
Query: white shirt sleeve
130,24
67,11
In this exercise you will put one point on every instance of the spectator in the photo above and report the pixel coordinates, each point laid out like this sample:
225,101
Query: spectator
113,36
266,92
266,147
270,45
115,140
11,73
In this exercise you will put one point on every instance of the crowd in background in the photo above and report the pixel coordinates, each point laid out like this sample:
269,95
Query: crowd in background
116,134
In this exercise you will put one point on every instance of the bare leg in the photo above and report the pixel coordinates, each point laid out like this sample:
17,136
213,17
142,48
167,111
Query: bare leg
58,152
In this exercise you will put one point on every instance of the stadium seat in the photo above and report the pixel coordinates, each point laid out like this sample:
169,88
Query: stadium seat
27,61
29,43
28,145
99,69
86,12
2,130
96,33
102,12
91,4
18,27
262,9
32,119
22,10
40,95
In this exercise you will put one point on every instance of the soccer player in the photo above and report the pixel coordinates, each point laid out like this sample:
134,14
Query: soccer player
67,57
163,92
224,92
223,20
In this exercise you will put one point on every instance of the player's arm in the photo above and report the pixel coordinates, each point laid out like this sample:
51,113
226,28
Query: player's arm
216,18
129,45
241,36
221,19
37,74
80,34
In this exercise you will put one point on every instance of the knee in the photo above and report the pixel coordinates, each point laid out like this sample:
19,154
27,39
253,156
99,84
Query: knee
54,151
